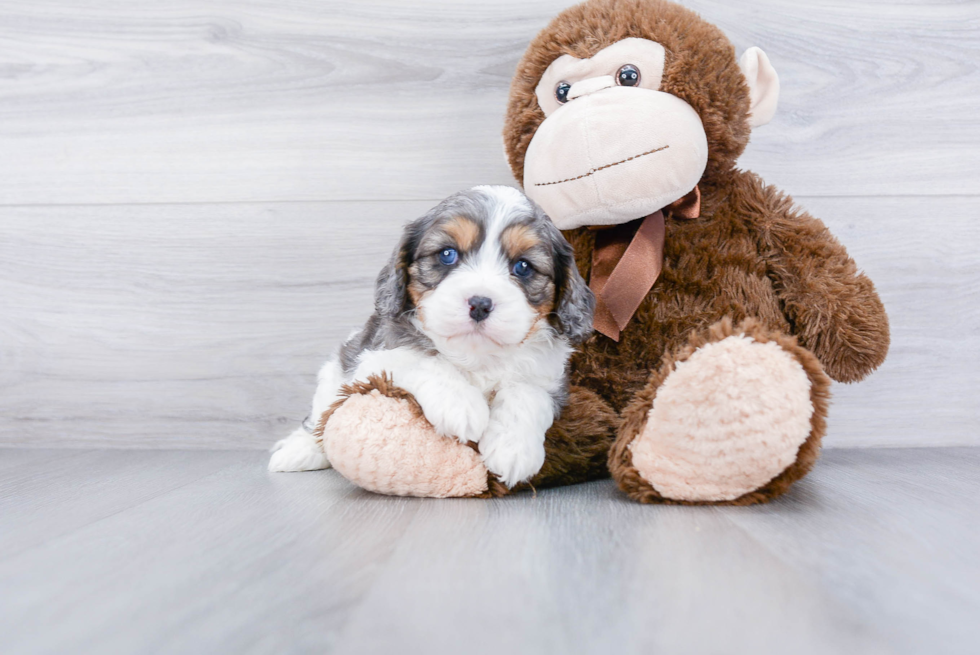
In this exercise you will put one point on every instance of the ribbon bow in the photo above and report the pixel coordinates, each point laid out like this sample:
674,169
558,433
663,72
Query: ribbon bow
627,260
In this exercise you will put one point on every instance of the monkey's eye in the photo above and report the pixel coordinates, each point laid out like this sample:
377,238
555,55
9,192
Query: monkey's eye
628,75
522,268
561,92
448,256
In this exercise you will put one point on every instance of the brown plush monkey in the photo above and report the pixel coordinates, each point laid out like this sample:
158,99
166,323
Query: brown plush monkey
722,307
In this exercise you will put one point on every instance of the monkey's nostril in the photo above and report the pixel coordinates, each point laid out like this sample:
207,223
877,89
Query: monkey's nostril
480,307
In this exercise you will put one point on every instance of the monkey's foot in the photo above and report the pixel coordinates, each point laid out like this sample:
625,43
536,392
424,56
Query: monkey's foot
379,440
734,417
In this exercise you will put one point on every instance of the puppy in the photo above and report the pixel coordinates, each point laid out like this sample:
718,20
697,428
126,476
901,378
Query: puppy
475,315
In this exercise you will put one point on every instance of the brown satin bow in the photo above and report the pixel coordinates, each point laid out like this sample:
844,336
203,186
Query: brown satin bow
627,260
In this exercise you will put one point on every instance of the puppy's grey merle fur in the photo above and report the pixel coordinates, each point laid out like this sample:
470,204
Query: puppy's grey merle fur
476,315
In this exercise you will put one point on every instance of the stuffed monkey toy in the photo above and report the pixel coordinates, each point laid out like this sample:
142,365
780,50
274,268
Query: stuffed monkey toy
722,308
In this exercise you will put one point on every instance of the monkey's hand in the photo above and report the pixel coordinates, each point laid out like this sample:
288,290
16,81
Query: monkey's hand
833,308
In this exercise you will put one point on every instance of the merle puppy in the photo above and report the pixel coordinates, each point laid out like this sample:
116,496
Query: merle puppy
475,315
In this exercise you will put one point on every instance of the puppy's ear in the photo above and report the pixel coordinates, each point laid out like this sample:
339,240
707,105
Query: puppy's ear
574,301
391,289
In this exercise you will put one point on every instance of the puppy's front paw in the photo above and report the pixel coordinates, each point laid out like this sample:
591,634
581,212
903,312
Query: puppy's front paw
462,413
514,457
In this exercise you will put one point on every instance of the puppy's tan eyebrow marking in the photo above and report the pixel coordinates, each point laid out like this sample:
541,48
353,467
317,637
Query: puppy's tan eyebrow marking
416,290
462,230
517,239
548,304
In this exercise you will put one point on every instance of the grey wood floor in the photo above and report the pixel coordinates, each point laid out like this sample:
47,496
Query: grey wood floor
116,551
195,197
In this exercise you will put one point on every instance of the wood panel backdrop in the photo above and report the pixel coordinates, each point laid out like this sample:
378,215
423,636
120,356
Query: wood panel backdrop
195,196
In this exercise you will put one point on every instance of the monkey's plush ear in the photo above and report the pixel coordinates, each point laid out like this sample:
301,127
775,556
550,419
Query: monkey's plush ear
763,85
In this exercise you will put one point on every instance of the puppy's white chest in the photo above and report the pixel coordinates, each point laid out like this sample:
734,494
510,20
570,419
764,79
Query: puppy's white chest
540,368
487,383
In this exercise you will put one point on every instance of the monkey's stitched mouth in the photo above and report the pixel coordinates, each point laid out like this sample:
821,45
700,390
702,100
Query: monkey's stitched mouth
593,171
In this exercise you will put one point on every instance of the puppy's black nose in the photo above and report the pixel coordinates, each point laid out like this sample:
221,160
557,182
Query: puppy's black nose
480,307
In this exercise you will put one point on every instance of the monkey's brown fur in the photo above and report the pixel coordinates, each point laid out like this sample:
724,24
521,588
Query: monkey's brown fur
752,258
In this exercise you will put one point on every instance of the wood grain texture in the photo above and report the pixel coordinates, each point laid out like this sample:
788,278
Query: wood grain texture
201,326
281,101
179,325
872,553
239,547
73,488
914,510
186,318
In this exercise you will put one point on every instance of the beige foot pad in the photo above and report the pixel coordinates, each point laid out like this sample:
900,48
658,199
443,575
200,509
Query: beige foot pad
725,421
383,444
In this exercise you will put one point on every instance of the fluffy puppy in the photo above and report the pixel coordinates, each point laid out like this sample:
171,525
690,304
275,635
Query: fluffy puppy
475,315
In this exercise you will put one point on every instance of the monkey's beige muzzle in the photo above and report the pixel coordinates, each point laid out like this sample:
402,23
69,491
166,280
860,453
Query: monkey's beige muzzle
613,154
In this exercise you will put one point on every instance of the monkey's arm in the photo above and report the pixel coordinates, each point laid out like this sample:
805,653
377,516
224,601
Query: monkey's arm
833,307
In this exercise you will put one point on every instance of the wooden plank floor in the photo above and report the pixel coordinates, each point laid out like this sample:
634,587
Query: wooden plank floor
106,551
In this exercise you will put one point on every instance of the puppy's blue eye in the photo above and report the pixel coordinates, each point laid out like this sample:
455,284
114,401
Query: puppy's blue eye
522,268
448,256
